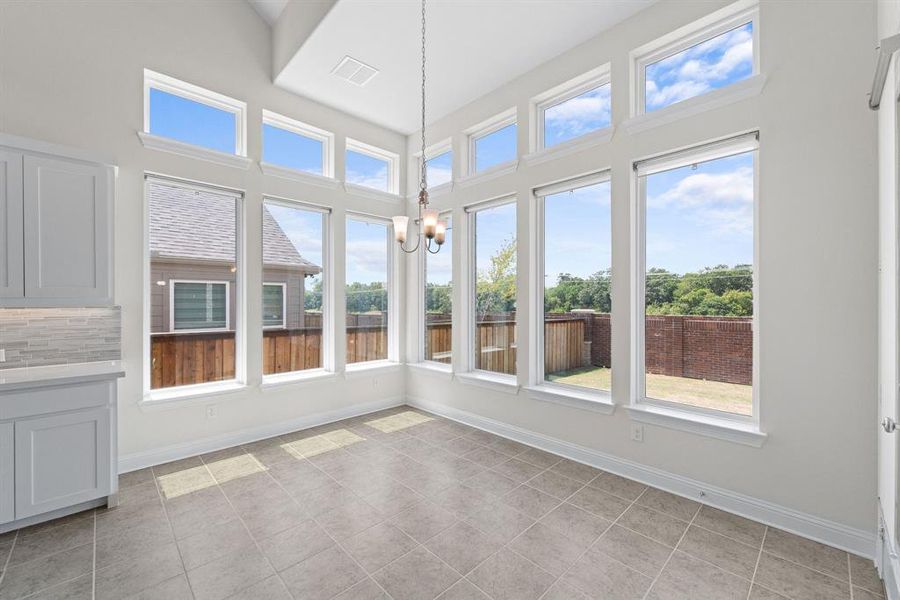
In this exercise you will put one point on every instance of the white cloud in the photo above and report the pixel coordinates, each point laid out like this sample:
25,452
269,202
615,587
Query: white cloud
580,114
722,202
372,179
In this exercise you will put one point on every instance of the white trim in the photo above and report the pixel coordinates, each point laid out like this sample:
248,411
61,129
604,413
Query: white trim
431,152
488,174
299,176
586,82
175,396
41,147
599,401
574,183
326,138
736,92
484,129
361,191
886,559
498,382
208,282
421,318
156,456
391,158
729,430
829,532
712,25
284,296
195,93
297,378
430,367
164,144
370,368
697,154
581,143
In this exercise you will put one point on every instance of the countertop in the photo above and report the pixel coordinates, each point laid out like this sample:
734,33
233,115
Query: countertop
30,377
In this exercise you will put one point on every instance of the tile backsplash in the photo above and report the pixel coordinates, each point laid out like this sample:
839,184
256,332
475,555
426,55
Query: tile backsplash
54,336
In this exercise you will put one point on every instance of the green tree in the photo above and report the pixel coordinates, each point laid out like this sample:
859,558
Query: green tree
496,285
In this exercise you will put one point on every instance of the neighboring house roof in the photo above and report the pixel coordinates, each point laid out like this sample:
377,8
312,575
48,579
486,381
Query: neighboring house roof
188,224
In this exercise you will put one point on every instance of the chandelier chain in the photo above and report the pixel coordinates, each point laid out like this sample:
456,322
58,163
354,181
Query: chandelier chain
423,184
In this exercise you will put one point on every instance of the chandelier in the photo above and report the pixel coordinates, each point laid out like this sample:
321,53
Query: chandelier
430,227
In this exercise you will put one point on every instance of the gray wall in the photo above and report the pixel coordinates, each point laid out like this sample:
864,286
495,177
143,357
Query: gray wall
53,336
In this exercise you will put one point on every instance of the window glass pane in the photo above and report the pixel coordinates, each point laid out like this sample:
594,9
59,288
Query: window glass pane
368,171
495,148
192,311
187,121
438,304
577,116
292,150
699,284
367,291
439,169
577,277
292,257
709,65
199,305
495,289
273,306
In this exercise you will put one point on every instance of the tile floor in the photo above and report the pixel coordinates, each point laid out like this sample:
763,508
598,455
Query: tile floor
404,505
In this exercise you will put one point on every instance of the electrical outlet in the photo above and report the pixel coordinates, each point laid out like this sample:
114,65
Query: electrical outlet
2,354
375,382
211,411
637,432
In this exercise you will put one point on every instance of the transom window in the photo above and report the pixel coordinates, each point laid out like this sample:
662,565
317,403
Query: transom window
573,109
371,167
439,169
295,145
193,115
493,143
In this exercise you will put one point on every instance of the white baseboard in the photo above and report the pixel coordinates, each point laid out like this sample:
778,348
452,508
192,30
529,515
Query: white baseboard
828,532
157,456
886,560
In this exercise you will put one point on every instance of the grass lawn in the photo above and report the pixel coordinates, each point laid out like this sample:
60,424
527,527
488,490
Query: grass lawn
730,397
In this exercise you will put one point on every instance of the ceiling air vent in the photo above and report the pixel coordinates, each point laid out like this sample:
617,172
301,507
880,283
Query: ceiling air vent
354,71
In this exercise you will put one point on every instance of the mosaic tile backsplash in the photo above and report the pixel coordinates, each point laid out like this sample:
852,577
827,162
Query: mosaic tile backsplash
35,337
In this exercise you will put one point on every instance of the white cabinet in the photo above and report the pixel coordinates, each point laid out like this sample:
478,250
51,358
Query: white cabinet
7,473
61,460
56,228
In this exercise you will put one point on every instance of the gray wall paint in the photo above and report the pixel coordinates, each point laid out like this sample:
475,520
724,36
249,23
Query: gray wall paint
56,336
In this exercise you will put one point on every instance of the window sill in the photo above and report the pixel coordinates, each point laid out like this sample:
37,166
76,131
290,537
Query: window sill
297,378
489,174
735,92
300,176
169,398
365,369
155,142
371,193
491,381
598,402
724,429
433,368
567,148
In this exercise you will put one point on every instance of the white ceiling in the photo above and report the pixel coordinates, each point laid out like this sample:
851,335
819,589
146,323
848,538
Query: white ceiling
474,46
269,10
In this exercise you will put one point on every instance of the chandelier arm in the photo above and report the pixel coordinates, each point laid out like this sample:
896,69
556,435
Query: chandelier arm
416,247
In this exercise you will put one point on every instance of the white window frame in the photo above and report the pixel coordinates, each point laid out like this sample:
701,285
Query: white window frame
470,291
173,282
422,319
392,159
328,357
393,290
709,151
430,153
591,80
732,16
484,129
284,298
195,93
302,129
537,261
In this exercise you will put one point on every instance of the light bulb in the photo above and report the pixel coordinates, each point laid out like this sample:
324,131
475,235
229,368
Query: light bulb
429,223
400,225
440,232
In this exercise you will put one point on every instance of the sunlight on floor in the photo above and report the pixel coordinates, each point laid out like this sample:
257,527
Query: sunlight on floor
234,468
184,482
398,421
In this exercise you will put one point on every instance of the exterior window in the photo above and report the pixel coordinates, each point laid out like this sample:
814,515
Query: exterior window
295,145
292,295
199,305
713,58
577,274
494,323
368,289
698,278
439,169
371,167
575,116
193,280
494,148
273,304
438,300
190,114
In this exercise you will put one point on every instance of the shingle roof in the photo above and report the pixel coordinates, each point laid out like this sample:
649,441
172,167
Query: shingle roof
192,224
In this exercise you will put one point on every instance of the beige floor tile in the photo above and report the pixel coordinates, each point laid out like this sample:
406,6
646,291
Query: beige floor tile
798,582
181,482
462,499
539,458
599,503
757,592
462,546
81,588
508,576
176,588
389,500
864,594
634,550
30,546
618,486
419,575
366,589
125,578
547,548
530,501
601,577
492,483
575,523
296,544
323,575
177,466
733,526
864,575
670,504
724,552
517,470
460,446
270,588
463,590
349,519
113,548
807,553
486,457
507,446
555,484
126,480
141,492
215,542
500,521
575,470
686,578
377,546
656,525
563,591
423,520
46,571
229,574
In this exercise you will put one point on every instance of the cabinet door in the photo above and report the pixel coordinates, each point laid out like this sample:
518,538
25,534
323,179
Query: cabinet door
68,236
61,460
12,260
7,477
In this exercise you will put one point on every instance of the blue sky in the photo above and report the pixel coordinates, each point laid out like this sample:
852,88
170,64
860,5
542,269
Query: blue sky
304,229
577,116
494,228
439,169
288,149
495,148
701,217
191,122
367,258
712,64
577,234
366,170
